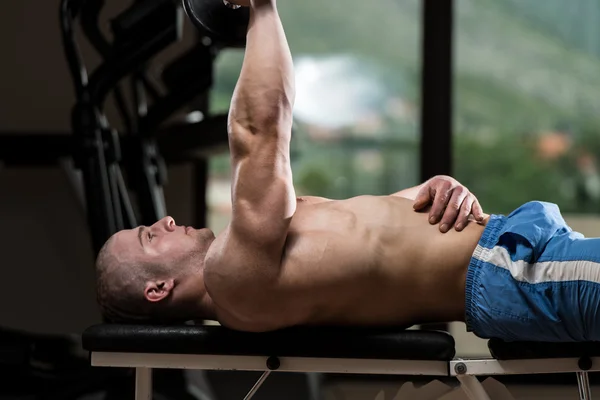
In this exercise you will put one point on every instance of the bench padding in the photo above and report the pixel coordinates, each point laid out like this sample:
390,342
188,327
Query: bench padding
397,344
531,350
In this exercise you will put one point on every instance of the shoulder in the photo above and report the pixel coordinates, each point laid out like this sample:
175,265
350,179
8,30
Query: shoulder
238,280
228,320
247,315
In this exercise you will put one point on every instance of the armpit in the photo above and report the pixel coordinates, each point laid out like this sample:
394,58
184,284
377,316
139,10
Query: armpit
311,200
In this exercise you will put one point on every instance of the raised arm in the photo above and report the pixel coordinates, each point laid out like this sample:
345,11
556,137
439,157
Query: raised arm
247,261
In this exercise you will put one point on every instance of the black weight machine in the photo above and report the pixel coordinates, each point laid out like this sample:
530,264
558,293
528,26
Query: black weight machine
140,33
115,168
109,179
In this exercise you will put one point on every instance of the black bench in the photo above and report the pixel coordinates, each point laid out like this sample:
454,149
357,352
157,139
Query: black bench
325,350
386,351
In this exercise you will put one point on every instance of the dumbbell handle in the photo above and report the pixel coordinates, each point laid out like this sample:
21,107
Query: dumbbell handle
231,5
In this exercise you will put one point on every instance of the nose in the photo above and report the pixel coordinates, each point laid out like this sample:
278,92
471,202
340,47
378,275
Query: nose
167,223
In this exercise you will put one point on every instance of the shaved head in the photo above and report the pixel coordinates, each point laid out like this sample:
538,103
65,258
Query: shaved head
152,273
120,279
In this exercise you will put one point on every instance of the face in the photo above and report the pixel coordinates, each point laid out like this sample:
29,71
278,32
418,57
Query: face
162,241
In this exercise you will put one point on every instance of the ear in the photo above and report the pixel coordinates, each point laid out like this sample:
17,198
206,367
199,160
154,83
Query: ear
158,290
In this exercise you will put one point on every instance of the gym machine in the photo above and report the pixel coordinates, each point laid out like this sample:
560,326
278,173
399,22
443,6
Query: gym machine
139,34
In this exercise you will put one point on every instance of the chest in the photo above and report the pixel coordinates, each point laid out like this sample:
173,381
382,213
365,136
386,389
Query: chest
328,244
323,217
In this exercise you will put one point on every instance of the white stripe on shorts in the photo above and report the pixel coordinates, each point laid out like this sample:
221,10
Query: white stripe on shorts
547,271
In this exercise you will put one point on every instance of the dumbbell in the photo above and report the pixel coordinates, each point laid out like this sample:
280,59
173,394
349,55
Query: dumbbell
224,22
235,4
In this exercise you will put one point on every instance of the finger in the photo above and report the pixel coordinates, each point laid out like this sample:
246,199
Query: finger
465,210
476,210
423,198
453,208
441,195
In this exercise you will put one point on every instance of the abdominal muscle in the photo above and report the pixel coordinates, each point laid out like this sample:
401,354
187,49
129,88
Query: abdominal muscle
373,261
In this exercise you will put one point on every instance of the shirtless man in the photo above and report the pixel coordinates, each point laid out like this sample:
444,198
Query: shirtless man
364,261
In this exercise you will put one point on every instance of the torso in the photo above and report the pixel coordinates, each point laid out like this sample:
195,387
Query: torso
374,260
370,260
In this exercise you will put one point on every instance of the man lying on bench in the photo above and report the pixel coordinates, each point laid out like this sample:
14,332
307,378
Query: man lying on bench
366,261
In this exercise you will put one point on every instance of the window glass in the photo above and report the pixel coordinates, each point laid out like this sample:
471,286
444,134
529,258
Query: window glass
527,108
357,66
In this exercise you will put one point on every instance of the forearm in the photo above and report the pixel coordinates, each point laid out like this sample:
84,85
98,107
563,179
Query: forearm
264,95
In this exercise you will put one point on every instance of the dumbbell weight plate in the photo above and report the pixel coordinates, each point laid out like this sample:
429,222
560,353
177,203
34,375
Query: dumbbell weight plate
225,25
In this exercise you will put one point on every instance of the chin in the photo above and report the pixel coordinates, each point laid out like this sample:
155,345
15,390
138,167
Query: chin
205,232
203,235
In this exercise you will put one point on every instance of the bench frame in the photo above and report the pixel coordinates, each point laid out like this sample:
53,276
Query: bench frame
145,362
465,371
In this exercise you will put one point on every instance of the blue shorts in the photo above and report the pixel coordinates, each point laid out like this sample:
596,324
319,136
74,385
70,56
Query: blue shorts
531,278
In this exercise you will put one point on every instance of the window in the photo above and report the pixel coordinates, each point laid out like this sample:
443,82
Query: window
527,104
357,66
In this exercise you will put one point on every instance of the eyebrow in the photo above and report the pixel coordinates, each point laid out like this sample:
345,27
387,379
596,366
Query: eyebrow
140,232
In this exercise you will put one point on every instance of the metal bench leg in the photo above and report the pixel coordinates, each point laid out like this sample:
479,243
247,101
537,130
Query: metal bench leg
257,385
583,383
314,381
472,387
143,384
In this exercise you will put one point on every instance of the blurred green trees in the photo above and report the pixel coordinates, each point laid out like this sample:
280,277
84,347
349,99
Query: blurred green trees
527,82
